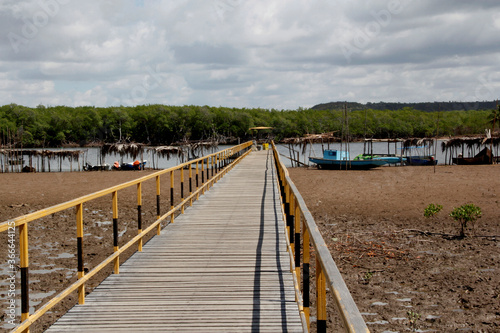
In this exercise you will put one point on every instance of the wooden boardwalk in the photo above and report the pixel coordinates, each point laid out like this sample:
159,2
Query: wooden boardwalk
222,266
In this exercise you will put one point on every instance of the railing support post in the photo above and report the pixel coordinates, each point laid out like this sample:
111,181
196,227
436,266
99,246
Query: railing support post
25,299
217,159
115,231
197,182
79,242
190,184
208,171
172,195
139,214
158,213
305,274
288,213
182,189
202,176
291,218
212,164
297,241
320,297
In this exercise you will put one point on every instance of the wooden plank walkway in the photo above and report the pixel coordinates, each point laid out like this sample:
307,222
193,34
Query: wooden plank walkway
222,266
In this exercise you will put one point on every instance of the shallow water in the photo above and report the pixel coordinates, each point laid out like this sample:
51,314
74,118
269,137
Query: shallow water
378,322
92,155
404,299
63,256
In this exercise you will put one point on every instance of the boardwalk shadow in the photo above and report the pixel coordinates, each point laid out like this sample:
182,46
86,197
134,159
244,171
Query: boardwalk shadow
258,263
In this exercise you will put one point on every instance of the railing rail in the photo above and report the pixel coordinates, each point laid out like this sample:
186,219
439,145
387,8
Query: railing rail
327,273
218,164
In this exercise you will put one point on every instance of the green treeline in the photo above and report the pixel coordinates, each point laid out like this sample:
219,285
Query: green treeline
161,124
424,106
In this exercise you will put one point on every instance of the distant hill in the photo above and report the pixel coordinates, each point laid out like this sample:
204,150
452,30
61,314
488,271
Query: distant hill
426,106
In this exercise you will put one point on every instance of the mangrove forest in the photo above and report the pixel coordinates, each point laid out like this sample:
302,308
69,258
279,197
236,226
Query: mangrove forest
55,126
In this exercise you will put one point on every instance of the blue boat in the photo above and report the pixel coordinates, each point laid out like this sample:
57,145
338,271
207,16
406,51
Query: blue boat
339,160
421,160
416,155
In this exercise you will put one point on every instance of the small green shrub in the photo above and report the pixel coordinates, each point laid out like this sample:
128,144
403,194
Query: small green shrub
432,210
412,319
465,214
367,277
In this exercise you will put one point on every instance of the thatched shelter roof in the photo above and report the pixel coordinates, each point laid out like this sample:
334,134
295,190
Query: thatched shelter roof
70,154
131,149
494,141
312,138
469,142
167,151
383,140
418,142
203,144
459,142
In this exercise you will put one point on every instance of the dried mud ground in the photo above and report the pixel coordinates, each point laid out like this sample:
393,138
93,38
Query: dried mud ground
393,260
407,272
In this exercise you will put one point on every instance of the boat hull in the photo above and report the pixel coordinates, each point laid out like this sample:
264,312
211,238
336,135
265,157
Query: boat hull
129,166
390,159
484,157
90,167
470,161
421,160
347,165
132,166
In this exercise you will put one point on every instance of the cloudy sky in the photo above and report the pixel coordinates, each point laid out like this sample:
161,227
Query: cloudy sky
281,54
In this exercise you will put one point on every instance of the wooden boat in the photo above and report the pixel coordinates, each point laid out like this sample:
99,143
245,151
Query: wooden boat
339,160
390,158
90,167
483,157
136,165
421,160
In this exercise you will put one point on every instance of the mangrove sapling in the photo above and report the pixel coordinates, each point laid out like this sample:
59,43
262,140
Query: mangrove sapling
465,214
432,210
412,319
367,277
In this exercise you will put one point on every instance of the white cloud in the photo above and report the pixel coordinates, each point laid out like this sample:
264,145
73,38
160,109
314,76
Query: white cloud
278,54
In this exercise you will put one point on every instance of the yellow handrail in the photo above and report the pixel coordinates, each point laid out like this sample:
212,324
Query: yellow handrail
236,153
327,273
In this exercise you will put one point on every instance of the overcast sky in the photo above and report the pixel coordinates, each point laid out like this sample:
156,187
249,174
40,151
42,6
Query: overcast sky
281,54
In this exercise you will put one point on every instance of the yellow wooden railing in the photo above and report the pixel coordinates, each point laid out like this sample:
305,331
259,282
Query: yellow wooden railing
327,273
215,165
